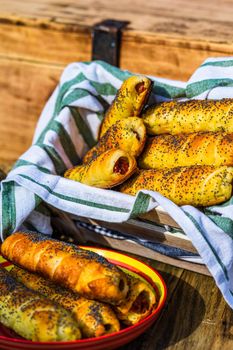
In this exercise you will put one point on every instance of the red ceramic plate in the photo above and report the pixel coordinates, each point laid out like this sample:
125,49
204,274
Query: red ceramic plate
11,341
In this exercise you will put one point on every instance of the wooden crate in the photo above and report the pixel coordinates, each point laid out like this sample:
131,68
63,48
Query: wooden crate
164,38
39,38
64,223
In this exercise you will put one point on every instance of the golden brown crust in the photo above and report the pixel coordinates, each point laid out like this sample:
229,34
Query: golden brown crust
190,116
130,100
107,170
169,151
196,185
128,134
80,270
140,302
94,318
29,314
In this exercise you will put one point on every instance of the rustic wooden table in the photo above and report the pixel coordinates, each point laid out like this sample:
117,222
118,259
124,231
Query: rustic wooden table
164,38
195,317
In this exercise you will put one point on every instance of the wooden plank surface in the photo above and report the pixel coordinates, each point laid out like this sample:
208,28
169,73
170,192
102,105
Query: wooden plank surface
24,89
83,235
164,38
38,39
146,230
142,52
210,19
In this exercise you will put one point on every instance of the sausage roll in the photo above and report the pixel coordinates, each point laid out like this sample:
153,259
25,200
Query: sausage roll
94,318
175,117
80,270
107,170
33,316
128,134
196,185
187,149
140,302
129,101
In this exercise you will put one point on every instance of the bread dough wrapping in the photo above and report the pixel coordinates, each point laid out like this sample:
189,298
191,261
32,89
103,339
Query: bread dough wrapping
128,134
175,117
107,170
196,185
140,302
82,271
170,151
28,313
94,318
129,101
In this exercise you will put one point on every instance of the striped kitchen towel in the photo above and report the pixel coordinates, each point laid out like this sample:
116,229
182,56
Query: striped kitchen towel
68,127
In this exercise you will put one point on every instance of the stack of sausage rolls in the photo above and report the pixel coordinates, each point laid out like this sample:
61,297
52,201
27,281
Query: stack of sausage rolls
184,150
59,292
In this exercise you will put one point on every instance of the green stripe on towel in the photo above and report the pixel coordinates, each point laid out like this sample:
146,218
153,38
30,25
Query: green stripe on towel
116,72
23,162
168,91
223,267
78,200
8,208
83,127
64,88
197,88
104,89
57,161
73,96
66,142
228,63
225,224
141,204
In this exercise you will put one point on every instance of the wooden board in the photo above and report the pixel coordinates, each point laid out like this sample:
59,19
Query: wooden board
193,19
24,89
66,229
163,38
147,230
39,38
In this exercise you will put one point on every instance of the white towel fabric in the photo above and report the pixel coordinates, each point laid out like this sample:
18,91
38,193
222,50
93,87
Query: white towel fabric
63,135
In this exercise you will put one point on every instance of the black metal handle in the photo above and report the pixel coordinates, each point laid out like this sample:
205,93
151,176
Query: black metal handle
106,41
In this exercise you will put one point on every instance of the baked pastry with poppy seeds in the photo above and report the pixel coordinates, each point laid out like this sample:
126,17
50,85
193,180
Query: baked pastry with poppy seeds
170,151
33,316
129,101
94,318
140,302
196,185
127,134
80,270
109,169
176,117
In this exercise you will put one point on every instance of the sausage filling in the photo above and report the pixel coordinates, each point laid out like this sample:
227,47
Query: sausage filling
141,303
140,87
121,166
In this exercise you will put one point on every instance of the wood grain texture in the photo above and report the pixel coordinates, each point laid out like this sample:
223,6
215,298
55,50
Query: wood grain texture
142,52
127,246
149,231
197,19
24,89
164,38
54,45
